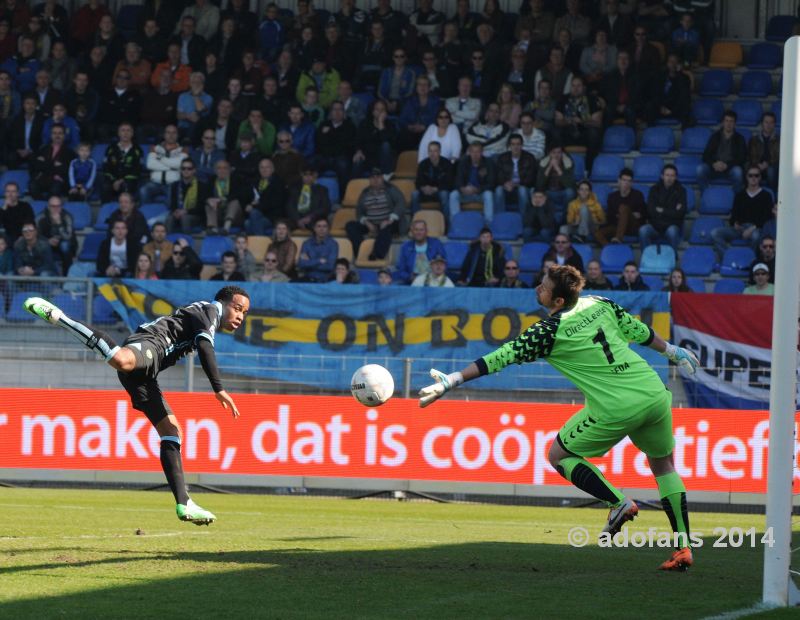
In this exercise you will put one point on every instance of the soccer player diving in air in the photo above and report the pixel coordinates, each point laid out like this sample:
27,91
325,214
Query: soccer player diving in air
153,347
587,340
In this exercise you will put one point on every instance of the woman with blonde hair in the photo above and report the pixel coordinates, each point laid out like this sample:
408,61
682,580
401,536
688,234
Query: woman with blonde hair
510,108
284,247
144,268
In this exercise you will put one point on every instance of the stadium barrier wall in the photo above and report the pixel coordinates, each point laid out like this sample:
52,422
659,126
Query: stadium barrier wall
334,442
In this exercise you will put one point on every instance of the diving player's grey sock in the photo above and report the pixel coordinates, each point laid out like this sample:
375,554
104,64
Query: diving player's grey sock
173,468
94,339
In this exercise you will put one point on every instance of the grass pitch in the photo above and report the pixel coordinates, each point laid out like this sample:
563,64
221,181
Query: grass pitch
77,554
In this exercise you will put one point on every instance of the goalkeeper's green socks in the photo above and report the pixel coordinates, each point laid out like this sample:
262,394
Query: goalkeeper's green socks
588,478
673,499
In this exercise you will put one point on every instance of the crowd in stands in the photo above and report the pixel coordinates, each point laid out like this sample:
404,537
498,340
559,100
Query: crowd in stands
242,126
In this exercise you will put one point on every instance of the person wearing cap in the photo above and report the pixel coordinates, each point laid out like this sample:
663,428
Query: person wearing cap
325,80
437,276
417,252
483,264
762,284
379,212
307,201
384,277
765,253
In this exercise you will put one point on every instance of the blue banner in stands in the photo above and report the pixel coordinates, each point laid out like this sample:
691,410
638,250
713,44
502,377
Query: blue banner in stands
317,334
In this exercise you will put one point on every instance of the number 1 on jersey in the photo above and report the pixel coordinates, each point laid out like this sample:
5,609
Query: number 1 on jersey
600,338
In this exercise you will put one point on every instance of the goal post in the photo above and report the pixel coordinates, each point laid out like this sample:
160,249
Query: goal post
778,588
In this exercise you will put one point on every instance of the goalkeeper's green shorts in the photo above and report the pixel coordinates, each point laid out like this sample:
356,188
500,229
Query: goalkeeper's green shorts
650,430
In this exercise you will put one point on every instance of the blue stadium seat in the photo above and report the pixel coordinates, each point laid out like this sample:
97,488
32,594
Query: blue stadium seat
128,19
585,250
701,230
365,98
619,139
81,214
72,305
657,140
690,206
698,260
91,245
716,200
716,83
175,236
99,154
698,285
647,168
20,177
694,140
456,253
530,256
728,286
153,212
466,225
780,27
367,276
332,185
601,191
212,248
78,269
736,261
38,206
105,212
654,283
707,111
2,306
776,110
687,168
16,312
507,226
755,84
579,159
764,56
657,259
748,114
607,167
614,256
102,311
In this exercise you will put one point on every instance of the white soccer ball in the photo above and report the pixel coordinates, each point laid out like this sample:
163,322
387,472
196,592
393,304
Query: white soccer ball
372,385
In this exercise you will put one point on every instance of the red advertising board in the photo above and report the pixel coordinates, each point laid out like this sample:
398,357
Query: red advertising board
716,450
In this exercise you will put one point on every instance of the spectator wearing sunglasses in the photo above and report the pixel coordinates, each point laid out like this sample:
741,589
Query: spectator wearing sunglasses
752,208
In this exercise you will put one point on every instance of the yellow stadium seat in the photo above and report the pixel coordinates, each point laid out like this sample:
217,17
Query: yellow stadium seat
208,272
258,246
406,186
406,167
345,248
434,220
363,256
340,219
725,55
353,191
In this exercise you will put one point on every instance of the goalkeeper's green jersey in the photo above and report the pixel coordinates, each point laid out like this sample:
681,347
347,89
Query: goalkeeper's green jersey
588,344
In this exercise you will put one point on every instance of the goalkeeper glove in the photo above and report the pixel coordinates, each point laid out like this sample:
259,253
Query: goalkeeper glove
682,357
444,383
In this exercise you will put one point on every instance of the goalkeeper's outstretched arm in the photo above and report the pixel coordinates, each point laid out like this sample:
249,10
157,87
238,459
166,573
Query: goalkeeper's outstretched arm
684,358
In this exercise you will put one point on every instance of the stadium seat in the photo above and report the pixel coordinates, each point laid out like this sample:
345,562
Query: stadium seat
91,245
353,191
99,154
434,220
16,312
776,110
736,261
102,216
258,246
364,252
780,27
367,276
584,249
716,83
456,253
701,230
530,256
2,306
716,200
345,248
607,167
154,212
764,56
406,187
175,236
619,139
21,177
725,55
690,205
466,225
614,256
103,312
579,159
601,192
406,167
72,305
507,226
755,84
365,98
340,219
657,259
659,140
694,140
654,283
332,185
707,111
38,206
81,214
748,114
698,260
128,19
698,285
212,248
728,286
687,168
647,168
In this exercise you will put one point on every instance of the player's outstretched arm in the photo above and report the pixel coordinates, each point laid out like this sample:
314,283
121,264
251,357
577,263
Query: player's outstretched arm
684,358
444,383
227,402
208,360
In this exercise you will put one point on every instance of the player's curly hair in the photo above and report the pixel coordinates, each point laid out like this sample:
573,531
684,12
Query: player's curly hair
226,293
567,283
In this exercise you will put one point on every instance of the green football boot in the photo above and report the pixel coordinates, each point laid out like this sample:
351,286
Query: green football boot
195,514
43,309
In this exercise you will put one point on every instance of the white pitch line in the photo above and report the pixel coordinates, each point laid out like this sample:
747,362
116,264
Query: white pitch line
95,536
742,613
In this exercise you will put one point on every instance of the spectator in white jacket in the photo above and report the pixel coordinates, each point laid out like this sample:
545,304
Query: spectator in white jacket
492,133
464,109
533,138
164,165
445,133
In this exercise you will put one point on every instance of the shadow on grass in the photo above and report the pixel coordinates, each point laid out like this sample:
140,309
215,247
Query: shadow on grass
475,580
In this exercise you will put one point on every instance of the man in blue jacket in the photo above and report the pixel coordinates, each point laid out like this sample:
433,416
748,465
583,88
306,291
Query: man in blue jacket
417,253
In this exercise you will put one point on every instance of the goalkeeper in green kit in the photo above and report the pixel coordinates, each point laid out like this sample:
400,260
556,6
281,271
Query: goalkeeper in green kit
586,339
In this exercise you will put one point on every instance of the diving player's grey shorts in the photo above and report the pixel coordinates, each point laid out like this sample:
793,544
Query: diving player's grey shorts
141,383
